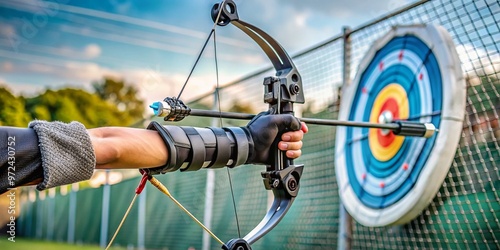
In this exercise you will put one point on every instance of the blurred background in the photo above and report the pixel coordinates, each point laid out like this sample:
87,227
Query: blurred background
102,63
151,45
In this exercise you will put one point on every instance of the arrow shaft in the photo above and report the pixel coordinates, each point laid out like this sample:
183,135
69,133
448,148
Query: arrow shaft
245,116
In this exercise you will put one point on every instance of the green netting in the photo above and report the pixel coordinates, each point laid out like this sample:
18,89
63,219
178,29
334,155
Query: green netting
61,212
464,214
120,196
88,216
166,224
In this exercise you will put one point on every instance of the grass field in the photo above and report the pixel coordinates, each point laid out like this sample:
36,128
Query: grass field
30,244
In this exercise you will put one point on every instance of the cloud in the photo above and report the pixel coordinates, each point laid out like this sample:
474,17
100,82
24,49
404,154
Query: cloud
66,70
89,51
291,25
478,62
154,84
6,66
70,71
86,71
299,24
25,89
342,9
40,68
126,39
92,51
63,10
7,30
121,7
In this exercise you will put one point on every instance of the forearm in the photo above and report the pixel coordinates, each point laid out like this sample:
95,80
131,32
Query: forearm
119,147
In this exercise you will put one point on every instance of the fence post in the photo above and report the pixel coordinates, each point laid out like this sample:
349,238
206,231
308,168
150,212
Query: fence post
39,214
27,220
50,213
345,225
105,212
210,187
72,213
141,232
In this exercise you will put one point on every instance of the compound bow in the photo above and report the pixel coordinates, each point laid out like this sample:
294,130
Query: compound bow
280,92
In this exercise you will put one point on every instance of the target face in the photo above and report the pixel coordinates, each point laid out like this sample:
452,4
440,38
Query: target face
413,73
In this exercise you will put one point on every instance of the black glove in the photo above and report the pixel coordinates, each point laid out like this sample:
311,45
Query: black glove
264,130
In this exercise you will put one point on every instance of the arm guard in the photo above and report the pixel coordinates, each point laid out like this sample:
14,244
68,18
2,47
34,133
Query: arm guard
190,149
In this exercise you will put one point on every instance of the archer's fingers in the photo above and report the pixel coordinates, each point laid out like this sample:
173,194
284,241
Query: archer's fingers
292,148
290,145
304,127
292,136
292,154
292,142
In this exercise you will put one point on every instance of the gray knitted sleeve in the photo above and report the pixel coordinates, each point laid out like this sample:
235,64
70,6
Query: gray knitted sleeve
67,153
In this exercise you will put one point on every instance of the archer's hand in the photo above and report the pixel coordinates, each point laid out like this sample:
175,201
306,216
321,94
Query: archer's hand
264,129
291,142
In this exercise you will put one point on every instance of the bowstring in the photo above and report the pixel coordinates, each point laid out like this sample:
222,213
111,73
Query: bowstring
217,91
212,32
138,191
121,222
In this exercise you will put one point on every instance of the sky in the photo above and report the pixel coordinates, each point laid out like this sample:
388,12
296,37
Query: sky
153,44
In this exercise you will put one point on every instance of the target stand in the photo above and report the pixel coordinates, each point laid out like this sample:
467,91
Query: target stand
412,73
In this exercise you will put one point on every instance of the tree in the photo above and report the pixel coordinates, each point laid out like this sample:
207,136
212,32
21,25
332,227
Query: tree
12,110
68,105
123,95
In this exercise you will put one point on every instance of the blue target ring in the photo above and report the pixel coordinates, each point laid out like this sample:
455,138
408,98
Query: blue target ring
385,179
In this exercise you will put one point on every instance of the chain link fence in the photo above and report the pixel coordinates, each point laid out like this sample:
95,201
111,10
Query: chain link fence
463,215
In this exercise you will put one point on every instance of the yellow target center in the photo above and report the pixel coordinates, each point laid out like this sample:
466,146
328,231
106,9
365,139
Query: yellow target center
390,104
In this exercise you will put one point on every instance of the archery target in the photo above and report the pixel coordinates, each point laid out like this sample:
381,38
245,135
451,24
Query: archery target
412,73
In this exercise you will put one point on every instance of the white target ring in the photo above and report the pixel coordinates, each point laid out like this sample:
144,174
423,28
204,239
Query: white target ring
411,73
